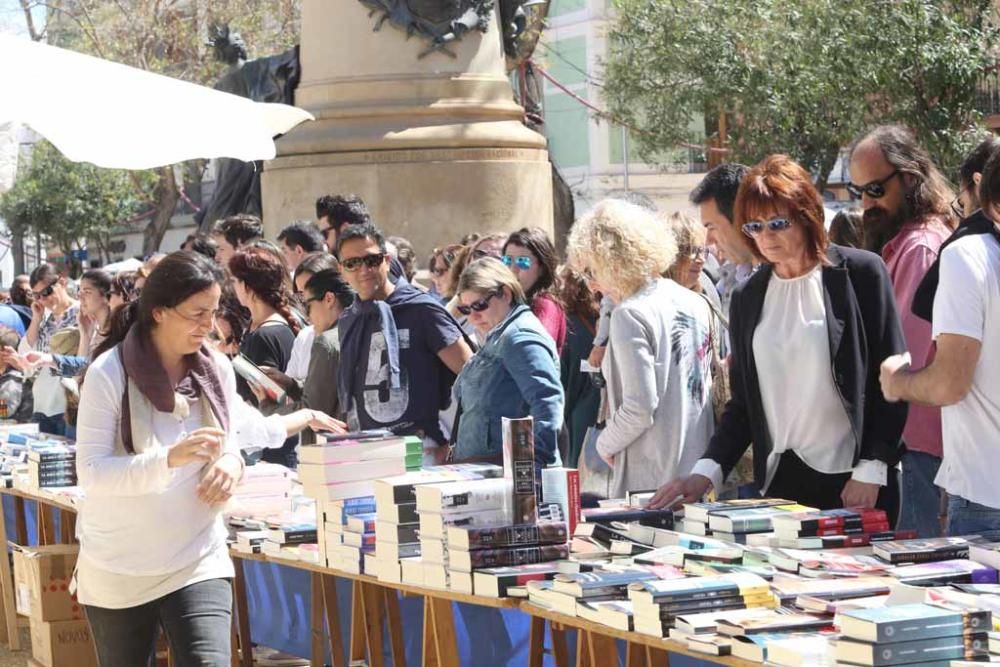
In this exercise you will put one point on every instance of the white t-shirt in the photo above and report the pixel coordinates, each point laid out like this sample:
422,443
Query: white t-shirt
968,304
298,363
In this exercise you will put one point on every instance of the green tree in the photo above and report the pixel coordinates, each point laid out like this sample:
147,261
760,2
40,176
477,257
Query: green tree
802,78
167,38
70,202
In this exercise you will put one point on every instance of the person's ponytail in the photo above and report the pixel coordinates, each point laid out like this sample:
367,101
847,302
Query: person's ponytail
118,325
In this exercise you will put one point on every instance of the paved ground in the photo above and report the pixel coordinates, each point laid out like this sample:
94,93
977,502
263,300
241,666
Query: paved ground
20,658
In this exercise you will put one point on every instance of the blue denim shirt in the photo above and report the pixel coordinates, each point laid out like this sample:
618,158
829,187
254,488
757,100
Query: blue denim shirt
514,374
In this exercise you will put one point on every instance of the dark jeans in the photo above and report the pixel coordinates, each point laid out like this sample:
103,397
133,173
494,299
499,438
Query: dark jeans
921,501
968,518
196,620
51,424
794,480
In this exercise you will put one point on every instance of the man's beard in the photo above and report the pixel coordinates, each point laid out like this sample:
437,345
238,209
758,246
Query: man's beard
879,226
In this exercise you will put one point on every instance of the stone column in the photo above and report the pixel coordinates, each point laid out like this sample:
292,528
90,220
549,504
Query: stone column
434,144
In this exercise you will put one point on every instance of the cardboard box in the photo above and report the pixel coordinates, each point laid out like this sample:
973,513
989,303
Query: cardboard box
62,644
41,582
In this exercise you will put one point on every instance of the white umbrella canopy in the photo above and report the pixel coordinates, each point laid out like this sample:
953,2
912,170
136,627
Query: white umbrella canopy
116,116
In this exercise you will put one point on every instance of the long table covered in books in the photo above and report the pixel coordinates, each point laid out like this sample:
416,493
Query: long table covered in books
365,555
280,610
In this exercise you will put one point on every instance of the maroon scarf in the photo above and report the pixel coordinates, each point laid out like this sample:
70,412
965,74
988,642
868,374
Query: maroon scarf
142,366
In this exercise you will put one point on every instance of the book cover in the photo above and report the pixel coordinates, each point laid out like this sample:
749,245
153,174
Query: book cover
900,623
480,494
562,486
701,511
519,466
665,591
402,488
580,583
916,551
466,561
252,373
494,582
956,647
360,450
497,535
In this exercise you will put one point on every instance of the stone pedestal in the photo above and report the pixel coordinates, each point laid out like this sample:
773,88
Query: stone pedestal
435,145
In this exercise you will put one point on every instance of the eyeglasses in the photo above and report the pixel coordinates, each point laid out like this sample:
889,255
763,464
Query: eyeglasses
694,253
478,306
370,261
45,292
522,263
201,317
875,189
757,227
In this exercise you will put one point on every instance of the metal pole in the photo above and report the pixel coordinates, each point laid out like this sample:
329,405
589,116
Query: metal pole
625,155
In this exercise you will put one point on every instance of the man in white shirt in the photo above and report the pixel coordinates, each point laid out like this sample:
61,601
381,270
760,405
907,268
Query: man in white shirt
964,376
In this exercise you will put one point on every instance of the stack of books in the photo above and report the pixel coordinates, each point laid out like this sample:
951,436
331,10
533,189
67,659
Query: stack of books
697,516
470,549
925,551
293,539
264,491
914,633
657,604
347,466
332,519
581,594
52,466
512,581
440,500
834,529
396,517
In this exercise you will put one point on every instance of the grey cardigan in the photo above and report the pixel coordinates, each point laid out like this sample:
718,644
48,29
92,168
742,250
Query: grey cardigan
659,387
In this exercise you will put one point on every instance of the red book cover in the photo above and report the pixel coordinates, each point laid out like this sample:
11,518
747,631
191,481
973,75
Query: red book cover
573,491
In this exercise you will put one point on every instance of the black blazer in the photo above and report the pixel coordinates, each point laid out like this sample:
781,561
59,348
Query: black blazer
863,329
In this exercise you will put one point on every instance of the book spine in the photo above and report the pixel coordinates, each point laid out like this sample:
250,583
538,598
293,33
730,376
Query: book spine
692,595
573,499
930,556
297,537
519,466
517,556
523,535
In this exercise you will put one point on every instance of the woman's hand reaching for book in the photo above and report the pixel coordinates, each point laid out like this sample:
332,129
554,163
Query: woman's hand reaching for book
220,479
673,494
199,446
320,421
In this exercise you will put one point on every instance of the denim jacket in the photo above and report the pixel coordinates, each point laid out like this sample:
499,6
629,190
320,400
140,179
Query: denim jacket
514,374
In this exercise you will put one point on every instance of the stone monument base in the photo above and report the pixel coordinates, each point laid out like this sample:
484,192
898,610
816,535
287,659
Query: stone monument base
430,196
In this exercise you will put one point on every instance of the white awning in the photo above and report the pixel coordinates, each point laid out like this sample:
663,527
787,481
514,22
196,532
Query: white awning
116,116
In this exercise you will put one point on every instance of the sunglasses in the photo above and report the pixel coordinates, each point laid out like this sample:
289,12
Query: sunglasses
370,261
522,263
875,189
478,306
694,253
756,228
45,292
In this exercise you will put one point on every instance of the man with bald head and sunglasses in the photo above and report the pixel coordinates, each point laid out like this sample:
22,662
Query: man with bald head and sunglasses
907,216
400,349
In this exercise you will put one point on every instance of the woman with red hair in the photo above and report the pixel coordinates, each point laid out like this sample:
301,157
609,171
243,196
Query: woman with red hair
807,332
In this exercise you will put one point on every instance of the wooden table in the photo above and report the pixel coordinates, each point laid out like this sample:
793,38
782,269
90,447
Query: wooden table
596,646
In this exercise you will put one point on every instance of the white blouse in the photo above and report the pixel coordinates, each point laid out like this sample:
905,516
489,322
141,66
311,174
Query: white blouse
791,348
143,531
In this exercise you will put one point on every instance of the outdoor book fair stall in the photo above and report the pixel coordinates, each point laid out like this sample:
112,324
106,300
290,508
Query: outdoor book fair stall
363,556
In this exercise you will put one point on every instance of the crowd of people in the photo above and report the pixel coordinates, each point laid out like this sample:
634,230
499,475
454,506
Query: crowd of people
758,350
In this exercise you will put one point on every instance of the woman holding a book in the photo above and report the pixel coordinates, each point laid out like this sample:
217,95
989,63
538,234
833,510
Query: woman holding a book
263,287
657,364
808,331
514,374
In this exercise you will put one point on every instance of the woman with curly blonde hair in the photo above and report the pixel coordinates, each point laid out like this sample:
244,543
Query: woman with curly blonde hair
657,366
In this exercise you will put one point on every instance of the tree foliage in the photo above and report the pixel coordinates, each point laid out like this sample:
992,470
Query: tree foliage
70,202
167,38
802,78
